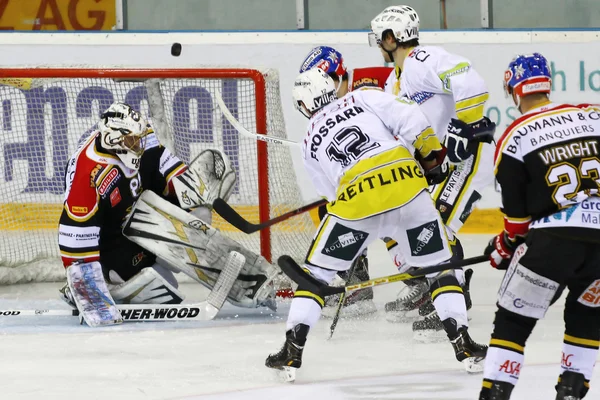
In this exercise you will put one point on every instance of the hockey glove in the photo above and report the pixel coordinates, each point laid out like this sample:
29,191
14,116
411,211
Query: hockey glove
462,139
436,167
501,249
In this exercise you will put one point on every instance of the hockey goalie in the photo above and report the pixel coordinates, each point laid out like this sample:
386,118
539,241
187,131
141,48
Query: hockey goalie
135,215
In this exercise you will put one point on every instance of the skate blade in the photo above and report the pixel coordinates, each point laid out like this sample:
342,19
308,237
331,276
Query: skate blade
401,317
430,336
474,365
287,374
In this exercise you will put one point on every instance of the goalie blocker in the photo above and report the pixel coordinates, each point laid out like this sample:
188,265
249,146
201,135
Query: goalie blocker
187,244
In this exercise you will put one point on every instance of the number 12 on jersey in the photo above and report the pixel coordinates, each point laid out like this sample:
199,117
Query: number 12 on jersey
349,144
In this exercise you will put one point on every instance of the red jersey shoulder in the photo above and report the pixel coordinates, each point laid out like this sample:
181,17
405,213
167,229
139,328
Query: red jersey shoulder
83,174
370,77
518,121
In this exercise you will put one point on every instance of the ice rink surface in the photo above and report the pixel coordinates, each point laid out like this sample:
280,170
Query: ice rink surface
56,358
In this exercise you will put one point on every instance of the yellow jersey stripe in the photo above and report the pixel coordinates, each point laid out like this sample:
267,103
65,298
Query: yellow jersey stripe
507,344
444,289
583,342
315,244
305,293
79,255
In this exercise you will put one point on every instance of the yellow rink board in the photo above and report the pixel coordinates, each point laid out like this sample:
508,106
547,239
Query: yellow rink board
34,216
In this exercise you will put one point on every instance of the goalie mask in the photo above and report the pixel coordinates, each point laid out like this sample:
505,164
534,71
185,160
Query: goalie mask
313,90
123,131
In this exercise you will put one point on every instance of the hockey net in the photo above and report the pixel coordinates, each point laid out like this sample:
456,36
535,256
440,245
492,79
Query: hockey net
46,112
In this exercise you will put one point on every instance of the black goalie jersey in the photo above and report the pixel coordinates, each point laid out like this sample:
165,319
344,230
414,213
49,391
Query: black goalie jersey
547,164
100,191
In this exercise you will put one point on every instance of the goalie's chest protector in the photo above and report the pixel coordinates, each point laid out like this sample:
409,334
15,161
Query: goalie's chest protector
103,188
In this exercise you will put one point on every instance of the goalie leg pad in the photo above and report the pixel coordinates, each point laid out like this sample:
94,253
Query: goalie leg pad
198,250
146,287
91,296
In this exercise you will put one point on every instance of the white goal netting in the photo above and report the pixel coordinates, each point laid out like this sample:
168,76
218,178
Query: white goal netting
42,121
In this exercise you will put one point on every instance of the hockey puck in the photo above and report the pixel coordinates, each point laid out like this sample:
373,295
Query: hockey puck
176,49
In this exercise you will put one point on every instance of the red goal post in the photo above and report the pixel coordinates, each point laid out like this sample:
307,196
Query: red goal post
44,112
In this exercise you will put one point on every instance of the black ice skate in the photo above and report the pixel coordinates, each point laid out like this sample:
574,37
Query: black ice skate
357,303
468,352
289,358
412,297
498,391
429,329
571,386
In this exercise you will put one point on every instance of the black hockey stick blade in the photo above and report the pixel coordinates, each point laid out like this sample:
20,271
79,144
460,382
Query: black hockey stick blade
230,215
308,282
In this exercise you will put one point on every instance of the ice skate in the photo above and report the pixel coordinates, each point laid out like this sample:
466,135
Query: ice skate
470,353
498,391
410,299
289,358
66,296
357,303
571,386
429,329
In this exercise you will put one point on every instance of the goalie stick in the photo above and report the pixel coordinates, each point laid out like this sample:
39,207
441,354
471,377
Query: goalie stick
203,311
245,132
131,312
313,285
235,219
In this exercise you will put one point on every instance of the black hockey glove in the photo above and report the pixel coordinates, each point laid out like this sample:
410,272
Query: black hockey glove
462,139
439,172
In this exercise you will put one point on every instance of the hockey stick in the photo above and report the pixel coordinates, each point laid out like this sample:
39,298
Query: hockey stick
311,284
340,305
235,219
243,131
132,312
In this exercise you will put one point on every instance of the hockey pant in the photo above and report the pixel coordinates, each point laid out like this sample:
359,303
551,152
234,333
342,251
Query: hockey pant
540,267
418,230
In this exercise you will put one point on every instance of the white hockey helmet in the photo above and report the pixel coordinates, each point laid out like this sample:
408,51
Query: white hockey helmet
313,90
403,21
123,130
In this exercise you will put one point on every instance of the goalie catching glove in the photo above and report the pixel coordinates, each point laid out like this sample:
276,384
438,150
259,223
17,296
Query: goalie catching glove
209,175
462,139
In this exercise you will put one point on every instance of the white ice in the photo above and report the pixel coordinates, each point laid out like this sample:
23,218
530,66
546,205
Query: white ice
55,358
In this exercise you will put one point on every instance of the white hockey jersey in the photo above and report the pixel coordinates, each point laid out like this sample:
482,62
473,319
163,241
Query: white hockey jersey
445,85
359,149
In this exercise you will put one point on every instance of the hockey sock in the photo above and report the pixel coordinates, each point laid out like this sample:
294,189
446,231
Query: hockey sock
505,354
448,300
305,309
582,337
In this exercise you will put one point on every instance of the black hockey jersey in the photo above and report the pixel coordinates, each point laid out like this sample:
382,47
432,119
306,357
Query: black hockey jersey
100,191
547,164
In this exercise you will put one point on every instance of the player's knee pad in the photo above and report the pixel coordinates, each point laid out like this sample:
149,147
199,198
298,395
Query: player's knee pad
324,275
525,292
443,283
512,327
146,287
